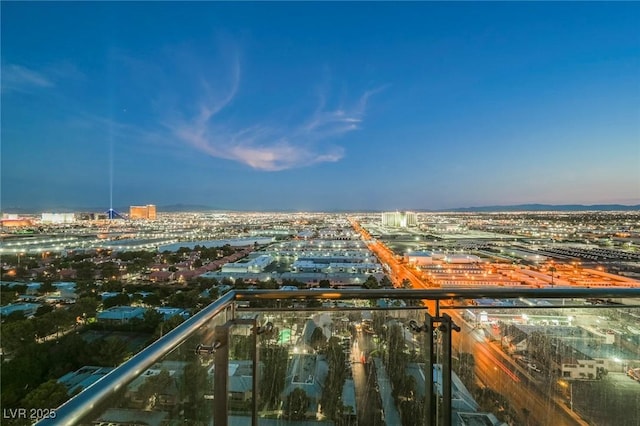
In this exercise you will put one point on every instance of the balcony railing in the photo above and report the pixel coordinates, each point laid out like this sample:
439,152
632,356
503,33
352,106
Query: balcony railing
396,357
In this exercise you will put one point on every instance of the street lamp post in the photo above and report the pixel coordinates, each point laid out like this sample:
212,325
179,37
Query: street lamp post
569,384
571,395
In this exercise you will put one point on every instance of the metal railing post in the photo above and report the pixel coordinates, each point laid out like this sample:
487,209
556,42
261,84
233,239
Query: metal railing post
254,379
220,376
447,327
430,411
222,369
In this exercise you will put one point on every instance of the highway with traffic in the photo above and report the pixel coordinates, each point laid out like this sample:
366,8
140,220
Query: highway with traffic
492,367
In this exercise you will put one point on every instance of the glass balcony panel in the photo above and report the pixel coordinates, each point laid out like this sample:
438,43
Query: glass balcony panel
240,370
359,361
551,365
344,364
163,384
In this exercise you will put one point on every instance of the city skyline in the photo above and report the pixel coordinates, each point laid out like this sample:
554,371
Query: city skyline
286,106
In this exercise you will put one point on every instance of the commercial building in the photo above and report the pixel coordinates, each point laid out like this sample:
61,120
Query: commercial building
15,223
9,220
147,212
27,309
58,217
76,381
120,314
422,258
255,265
399,219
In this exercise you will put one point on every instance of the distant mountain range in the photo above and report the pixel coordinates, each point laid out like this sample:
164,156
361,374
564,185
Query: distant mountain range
187,208
548,207
511,208
193,208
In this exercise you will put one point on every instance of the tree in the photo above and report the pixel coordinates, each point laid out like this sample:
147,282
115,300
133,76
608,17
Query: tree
48,394
152,300
109,352
17,335
43,327
112,285
274,359
293,282
151,319
46,286
240,284
22,373
227,250
378,322
242,347
184,251
465,368
314,303
413,412
10,295
60,318
396,359
85,270
371,282
296,405
317,338
14,316
269,284
121,299
184,299
214,293
155,385
84,307
195,383
386,282
168,325
324,284
334,383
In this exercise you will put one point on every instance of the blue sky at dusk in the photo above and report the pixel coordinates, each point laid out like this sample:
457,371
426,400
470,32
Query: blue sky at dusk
319,106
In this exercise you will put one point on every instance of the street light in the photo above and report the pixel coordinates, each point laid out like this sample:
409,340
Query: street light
568,384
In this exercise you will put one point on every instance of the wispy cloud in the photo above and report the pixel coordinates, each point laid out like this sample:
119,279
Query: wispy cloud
22,79
272,146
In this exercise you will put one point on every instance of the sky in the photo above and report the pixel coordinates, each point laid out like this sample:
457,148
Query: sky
319,106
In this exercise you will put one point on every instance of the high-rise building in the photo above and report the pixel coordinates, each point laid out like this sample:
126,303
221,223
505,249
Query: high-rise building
58,217
151,211
147,212
399,219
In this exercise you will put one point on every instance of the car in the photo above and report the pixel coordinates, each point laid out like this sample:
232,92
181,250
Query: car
534,368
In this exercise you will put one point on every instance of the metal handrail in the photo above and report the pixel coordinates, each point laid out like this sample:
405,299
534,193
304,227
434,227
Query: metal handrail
78,407
81,405
442,294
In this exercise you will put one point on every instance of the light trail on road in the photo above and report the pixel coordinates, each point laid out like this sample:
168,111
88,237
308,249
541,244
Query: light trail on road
518,390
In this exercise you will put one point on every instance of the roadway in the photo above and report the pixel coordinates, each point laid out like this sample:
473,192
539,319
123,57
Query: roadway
398,271
499,372
368,404
493,368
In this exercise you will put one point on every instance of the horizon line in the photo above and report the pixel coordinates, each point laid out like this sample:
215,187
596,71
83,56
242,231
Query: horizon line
197,208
